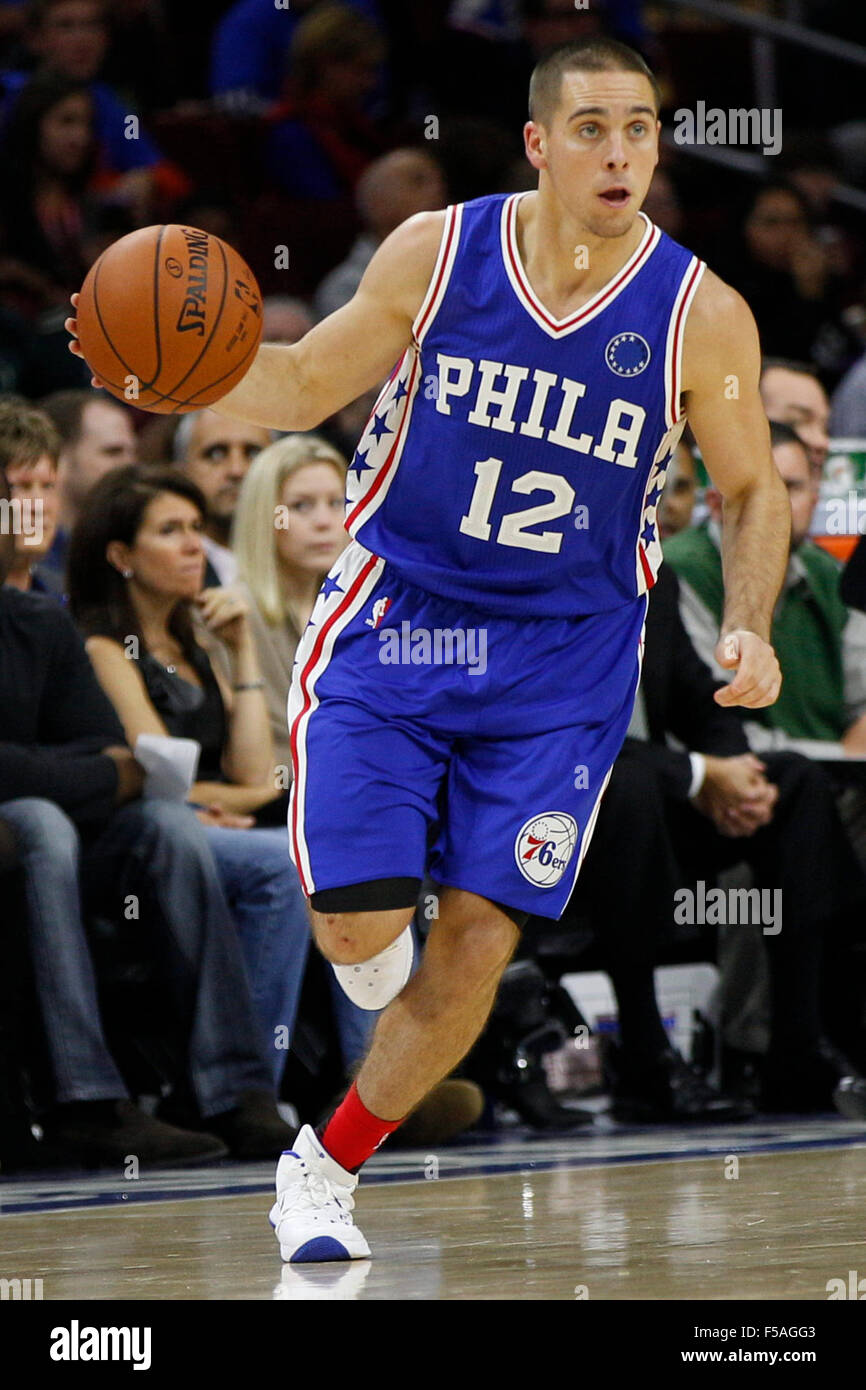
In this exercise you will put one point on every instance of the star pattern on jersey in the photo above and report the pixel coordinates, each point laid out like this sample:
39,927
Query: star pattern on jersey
630,371
610,354
329,588
359,463
650,542
378,439
379,427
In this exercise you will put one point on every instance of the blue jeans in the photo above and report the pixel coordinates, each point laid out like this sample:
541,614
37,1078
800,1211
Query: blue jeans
269,908
157,851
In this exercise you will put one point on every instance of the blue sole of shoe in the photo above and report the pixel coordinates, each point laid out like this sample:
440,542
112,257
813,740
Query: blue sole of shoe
318,1250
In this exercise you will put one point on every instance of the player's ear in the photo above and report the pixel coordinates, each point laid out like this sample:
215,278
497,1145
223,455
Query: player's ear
534,140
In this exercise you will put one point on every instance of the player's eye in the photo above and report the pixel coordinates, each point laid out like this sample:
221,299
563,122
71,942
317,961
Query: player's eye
590,130
217,454
639,128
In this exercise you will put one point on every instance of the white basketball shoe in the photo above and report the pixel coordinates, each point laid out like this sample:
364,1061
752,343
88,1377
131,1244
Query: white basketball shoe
312,1216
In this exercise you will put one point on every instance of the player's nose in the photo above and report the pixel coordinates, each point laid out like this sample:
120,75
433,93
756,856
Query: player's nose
615,155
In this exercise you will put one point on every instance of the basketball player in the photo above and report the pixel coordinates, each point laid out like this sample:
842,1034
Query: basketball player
503,498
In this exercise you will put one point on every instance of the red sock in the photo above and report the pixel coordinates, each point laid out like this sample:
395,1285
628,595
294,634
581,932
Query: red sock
352,1134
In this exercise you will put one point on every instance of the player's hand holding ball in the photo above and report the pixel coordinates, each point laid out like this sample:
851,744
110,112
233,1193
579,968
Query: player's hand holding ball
169,319
759,676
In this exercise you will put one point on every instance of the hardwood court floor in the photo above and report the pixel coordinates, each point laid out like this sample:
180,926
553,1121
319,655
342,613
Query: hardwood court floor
639,1214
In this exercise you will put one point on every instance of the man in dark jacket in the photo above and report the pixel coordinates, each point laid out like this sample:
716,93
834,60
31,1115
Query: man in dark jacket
70,790
674,816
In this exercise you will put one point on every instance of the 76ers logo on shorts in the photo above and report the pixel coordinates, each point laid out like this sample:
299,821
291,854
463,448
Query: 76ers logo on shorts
627,354
544,847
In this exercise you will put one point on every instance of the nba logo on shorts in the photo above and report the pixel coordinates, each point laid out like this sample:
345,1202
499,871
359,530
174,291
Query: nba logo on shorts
544,846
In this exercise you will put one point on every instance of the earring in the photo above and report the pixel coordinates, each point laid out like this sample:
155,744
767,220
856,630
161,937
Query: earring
127,574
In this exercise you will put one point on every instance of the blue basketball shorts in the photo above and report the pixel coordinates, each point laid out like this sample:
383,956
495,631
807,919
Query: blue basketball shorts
429,736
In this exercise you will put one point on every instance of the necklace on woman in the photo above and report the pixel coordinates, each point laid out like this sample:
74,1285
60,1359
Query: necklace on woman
169,666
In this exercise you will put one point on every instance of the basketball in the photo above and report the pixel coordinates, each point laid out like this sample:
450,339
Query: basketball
169,318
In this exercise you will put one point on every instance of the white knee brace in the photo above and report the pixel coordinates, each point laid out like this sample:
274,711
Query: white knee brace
375,982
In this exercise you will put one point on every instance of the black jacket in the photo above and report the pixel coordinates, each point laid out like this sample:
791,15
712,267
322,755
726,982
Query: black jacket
852,584
678,696
54,716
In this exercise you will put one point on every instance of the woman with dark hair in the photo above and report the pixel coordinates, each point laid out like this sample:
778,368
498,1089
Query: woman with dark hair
136,562
47,157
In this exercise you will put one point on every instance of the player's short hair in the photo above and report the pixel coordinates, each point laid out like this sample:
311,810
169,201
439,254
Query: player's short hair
596,54
26,434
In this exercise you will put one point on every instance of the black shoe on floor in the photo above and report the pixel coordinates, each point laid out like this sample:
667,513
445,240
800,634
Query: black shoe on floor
849,1097
672,1092
813,1083
537,1106
254,1129
741,1073
107,1132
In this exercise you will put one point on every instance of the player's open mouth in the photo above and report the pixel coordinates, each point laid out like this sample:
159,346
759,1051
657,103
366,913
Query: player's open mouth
615,197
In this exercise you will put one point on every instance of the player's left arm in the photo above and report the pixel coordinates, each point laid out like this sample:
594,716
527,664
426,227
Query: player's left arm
721,369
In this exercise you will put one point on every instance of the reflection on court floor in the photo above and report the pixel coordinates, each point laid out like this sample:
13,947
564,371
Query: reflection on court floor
760,1211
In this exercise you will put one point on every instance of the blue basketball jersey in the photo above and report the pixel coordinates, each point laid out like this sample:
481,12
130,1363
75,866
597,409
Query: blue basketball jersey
515,461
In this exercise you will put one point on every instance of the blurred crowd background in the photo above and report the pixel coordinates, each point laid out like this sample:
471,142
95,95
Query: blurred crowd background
318,126
303,134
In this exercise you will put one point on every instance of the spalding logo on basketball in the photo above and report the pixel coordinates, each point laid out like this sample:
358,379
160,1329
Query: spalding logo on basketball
169,318
544,846
627,354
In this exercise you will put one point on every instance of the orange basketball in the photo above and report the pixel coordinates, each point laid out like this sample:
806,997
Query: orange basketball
169,319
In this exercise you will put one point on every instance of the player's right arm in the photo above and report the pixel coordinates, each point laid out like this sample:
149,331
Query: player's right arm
352,350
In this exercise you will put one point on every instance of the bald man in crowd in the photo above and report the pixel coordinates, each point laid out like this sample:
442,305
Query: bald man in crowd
393,188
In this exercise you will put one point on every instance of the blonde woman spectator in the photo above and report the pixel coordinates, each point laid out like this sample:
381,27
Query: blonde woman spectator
293,495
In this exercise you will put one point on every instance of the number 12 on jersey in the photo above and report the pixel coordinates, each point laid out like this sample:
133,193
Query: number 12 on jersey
512,527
